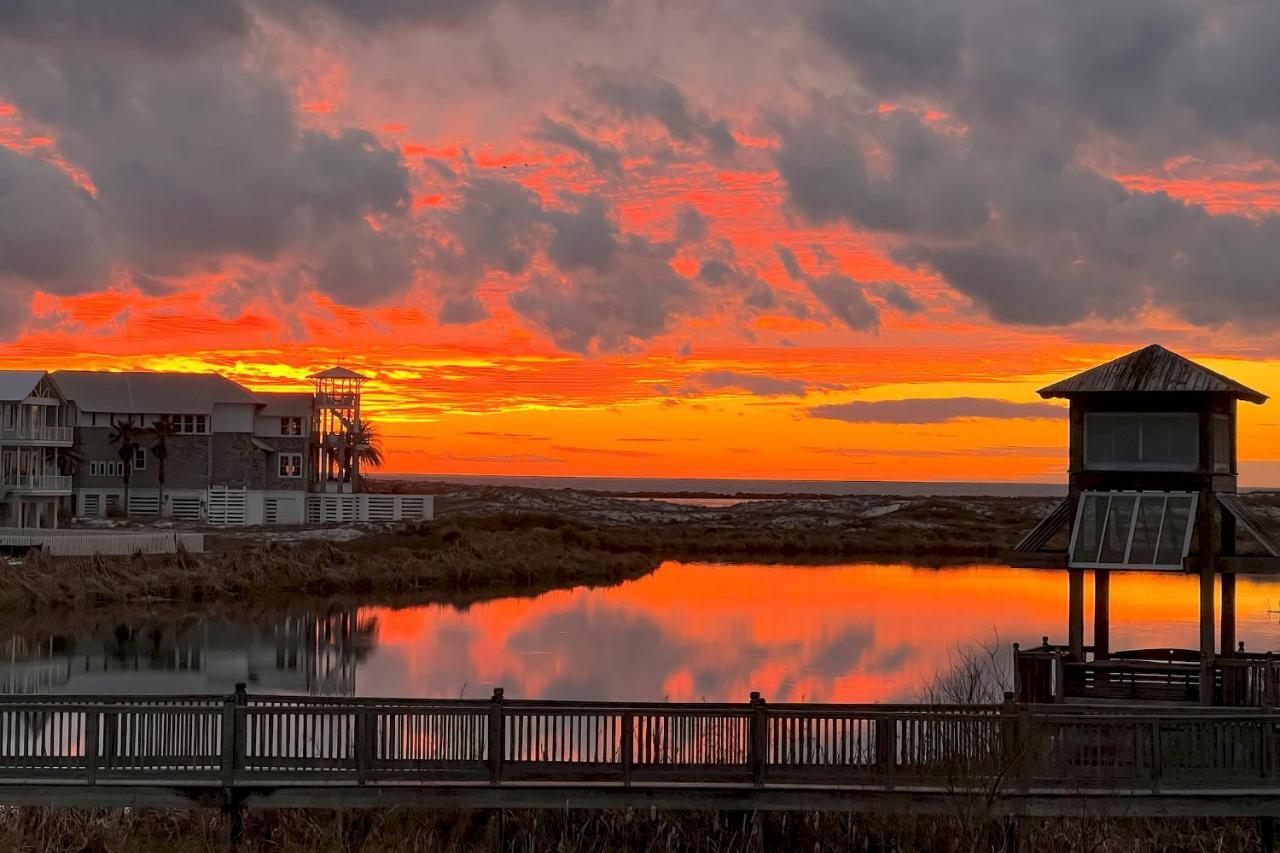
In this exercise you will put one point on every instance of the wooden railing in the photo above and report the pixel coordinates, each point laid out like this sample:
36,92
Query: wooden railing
257,741
1046,674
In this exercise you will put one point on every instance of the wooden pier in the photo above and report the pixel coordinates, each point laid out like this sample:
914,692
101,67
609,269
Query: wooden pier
249,751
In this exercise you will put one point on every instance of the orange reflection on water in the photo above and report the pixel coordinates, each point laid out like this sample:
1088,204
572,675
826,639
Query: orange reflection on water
692,632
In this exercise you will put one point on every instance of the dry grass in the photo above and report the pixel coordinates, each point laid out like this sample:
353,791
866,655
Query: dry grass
506,553
404,830
442,561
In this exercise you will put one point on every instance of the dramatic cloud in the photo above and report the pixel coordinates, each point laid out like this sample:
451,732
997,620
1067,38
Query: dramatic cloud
992,179
933,411
195,162
53,234
842,296
638,94
603,157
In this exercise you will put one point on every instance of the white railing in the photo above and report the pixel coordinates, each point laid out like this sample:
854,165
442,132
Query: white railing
36,482
32,432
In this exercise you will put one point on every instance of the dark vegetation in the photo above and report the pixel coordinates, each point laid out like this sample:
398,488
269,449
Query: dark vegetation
508,551
403,830
514,551
436,561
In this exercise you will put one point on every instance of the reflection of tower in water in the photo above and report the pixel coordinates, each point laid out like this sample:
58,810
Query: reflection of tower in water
325,649
304,654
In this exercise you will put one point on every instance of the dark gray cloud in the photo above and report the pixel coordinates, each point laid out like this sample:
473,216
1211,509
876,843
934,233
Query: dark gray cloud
155,26
637,297
199,161
363,267
898,296
931,188
896,45
933,411
602,156
51,232
843,297
372,15
761,386
584,237
1005,191
789,262
640,94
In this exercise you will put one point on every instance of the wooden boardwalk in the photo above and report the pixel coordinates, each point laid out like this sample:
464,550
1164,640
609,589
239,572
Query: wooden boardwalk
264,751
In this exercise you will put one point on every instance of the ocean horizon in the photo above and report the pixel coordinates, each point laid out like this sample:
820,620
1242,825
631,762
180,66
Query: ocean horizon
731,487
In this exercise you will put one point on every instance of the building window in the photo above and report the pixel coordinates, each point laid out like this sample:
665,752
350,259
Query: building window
139,459
1147,530
291,426
110,468
191,424
290,466
1163,441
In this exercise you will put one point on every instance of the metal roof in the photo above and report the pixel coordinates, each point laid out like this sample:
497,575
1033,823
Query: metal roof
1154,369
150,393
17,385
338,373
285,403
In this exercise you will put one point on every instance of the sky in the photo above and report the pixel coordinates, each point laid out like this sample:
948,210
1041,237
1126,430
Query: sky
822,239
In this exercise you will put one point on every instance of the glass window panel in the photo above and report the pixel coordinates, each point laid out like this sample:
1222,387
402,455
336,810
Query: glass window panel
1115,537
1088,528
1146,530
1221,443
1182,437
1176,519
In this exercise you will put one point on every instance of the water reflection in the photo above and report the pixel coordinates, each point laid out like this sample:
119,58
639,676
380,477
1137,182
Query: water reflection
857,633
312,653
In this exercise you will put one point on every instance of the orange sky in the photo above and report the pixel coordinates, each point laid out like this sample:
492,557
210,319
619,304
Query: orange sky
639,361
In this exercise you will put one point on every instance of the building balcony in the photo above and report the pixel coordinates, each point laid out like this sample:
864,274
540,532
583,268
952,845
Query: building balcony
44,484
33,434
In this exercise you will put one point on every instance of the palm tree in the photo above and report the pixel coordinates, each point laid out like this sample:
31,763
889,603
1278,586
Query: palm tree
124,435
162,429
71,459
367,445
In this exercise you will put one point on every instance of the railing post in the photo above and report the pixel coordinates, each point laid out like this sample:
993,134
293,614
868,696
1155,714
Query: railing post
758,741
887,747
1155,756
229,740
1268,680
628,746
364,745
91,745
1059,680
497,739
1017,674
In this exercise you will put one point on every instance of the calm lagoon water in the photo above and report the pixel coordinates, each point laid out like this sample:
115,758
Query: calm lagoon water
687,632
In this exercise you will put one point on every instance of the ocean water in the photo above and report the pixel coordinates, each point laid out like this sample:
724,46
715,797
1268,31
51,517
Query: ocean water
728,488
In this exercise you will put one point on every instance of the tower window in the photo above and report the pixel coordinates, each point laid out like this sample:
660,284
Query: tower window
1162,441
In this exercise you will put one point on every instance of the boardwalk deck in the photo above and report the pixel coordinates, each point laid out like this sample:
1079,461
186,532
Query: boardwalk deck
304,752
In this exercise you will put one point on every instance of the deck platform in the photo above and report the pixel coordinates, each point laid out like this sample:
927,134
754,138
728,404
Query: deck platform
292,752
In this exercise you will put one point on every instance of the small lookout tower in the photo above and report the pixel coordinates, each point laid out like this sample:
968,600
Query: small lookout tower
337,432
1151,487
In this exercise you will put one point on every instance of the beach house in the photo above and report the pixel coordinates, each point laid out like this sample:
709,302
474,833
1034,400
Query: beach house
194,447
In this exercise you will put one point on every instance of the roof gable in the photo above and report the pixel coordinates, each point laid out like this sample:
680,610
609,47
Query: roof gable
1152,369
17,385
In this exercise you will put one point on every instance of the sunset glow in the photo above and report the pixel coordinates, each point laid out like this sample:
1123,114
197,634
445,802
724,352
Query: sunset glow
586,239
